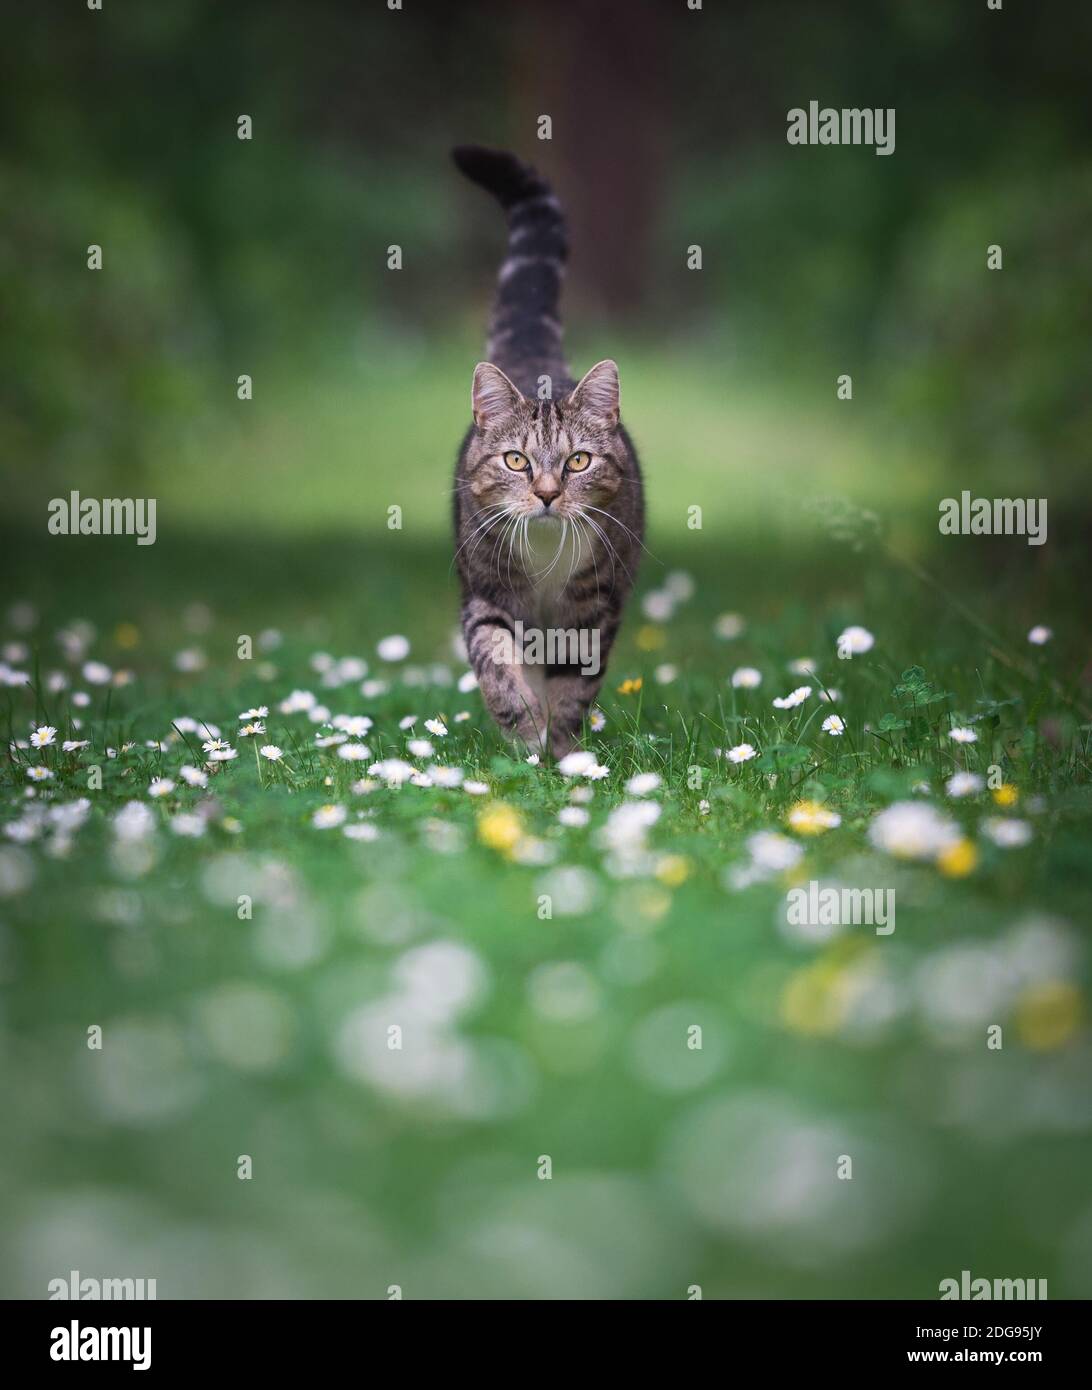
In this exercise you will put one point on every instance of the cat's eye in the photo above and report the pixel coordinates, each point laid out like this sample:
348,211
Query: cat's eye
576,463
516,461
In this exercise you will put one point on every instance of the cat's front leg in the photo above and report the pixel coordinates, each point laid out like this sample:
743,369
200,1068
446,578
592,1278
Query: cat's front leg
489,633
569,696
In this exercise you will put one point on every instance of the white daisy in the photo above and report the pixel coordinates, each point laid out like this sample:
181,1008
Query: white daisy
188,824
680,585
249,730
829,695
856,640
773,852
802,666
729,626
39,774
1039,635
223,755
97,673
962,735
643,783
964,784
361,830
658,606
408,722
354,752
533,759
393,771
834,724
1007,833
746,678
43,736
297,702
797,697
420,748
597,721
271,752
357,725
260,712
134,821
193,776
394,648
666,673
446,776
74,745
573,816
468,681
327,817
913,830
476,788
576,764
437,727
742,753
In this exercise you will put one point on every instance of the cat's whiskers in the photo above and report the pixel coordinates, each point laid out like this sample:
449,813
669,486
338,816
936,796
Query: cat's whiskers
615,558
618,522
501,510
591,551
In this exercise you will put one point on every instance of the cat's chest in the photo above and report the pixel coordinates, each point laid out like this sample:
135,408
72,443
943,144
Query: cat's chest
552,555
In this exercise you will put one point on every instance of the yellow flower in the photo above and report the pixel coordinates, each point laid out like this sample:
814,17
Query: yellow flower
958,860
630,686
650,639
673,869
500,827
1048,1014
812,818
1006,794
651,903
814,1000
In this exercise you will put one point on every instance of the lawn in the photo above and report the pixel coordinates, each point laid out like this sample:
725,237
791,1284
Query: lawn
247,939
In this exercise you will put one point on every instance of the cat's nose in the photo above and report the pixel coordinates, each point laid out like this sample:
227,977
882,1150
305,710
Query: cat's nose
546,489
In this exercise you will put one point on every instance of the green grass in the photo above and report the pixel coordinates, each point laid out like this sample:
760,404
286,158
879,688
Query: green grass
563,1036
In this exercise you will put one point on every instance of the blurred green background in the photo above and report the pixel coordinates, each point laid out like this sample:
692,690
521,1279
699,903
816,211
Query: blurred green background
268,257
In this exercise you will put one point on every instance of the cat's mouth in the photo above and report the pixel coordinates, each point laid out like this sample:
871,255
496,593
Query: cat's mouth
547,515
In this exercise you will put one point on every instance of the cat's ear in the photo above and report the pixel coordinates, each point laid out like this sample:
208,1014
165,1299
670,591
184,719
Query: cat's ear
492,396
597,392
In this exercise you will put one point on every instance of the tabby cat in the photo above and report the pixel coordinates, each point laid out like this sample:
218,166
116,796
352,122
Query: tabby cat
549,510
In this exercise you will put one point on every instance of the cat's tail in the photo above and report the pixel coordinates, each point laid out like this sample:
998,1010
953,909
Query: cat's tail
525,325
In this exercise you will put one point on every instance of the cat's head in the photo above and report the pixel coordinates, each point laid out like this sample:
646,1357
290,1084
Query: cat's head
547,458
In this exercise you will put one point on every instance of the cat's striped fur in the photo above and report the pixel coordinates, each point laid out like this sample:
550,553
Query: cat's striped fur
552,545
